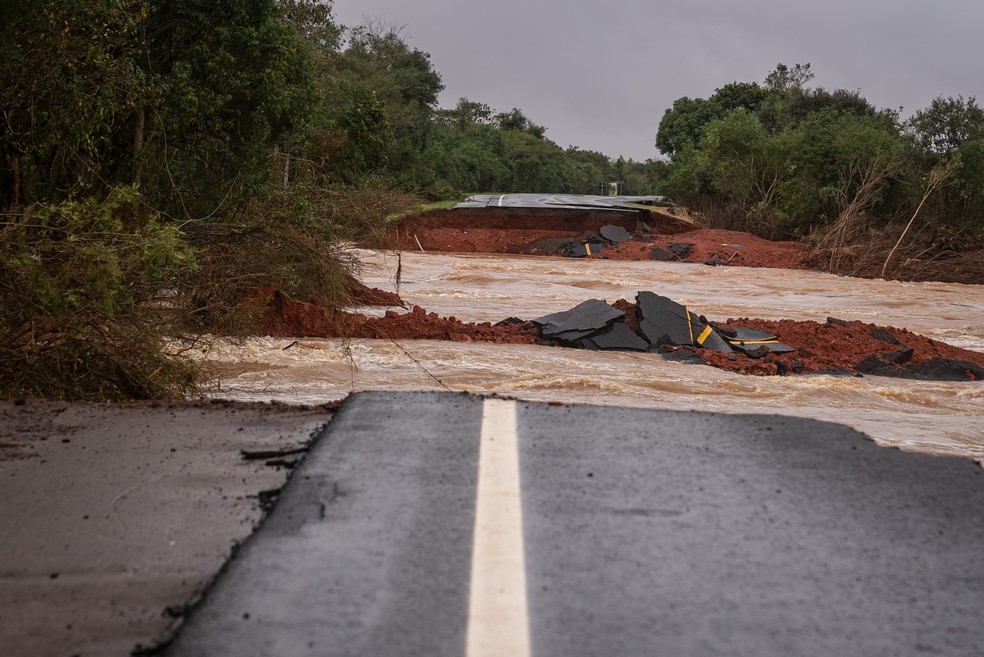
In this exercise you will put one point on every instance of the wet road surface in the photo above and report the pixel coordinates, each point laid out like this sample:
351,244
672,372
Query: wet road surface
450,524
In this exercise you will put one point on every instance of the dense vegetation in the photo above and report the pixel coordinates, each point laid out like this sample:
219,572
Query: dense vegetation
874,194
161,161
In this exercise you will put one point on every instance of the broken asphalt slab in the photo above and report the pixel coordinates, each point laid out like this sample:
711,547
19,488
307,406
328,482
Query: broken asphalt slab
664,321
645,532
583,249
662,255
937,369
615,234
578,322
618,338
665,326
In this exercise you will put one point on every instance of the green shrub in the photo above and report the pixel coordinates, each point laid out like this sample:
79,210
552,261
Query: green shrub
87,298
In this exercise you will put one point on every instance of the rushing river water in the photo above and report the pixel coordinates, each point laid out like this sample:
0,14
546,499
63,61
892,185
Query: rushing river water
936,417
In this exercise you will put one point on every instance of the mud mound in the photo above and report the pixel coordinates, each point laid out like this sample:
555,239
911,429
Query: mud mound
297,319
853,347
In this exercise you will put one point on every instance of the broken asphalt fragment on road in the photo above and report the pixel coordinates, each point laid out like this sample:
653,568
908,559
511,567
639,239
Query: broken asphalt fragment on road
664,321
742,334
681,249
662,255
710,339
760,349
664,326
618,338
615,234
661,325
752,342
584,249
936,369
581,321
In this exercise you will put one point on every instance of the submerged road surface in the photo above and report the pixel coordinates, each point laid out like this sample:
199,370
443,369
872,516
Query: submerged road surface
447,524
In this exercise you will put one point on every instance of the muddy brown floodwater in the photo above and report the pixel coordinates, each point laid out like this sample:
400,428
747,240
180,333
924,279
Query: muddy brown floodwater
936,417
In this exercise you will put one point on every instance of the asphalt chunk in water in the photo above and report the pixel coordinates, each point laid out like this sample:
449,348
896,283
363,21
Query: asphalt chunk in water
619,338
579,322
664,321
709,338
935,369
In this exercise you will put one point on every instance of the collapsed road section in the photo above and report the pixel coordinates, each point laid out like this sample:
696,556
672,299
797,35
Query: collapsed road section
607,227
660,325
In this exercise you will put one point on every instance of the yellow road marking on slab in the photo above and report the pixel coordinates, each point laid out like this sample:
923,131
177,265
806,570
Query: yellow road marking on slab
704,335
498,621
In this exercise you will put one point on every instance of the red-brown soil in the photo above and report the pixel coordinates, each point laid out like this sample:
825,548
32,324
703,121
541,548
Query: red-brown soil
834,346
288,318
722,247
549,232
362,295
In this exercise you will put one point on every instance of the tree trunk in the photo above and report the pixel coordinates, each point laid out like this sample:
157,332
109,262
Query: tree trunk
138,141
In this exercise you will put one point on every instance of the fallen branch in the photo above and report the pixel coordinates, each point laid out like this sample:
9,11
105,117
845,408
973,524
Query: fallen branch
938,177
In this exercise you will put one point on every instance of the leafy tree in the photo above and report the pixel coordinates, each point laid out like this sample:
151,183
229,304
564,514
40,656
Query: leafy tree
405,81
946,124
466,157
535,164
516,120
952,129
840,160
745,164
465,114
783,78
314,22
683,124
238,82
70,87
584,171
739,95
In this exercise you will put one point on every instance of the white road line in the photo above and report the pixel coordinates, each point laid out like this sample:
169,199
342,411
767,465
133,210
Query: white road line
498,621
500,200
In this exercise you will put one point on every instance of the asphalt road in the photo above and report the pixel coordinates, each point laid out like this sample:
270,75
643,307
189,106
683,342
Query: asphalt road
554,201
443,524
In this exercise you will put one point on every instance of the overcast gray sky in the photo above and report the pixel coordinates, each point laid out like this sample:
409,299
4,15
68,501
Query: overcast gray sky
600,75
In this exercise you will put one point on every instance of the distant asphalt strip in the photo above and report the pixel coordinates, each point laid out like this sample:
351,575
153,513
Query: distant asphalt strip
447,524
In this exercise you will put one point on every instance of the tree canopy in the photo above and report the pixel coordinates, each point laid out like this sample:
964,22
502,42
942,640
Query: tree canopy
790,159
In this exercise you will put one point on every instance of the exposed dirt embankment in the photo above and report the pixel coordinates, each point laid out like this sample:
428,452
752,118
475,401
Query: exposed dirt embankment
297,319
655,235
